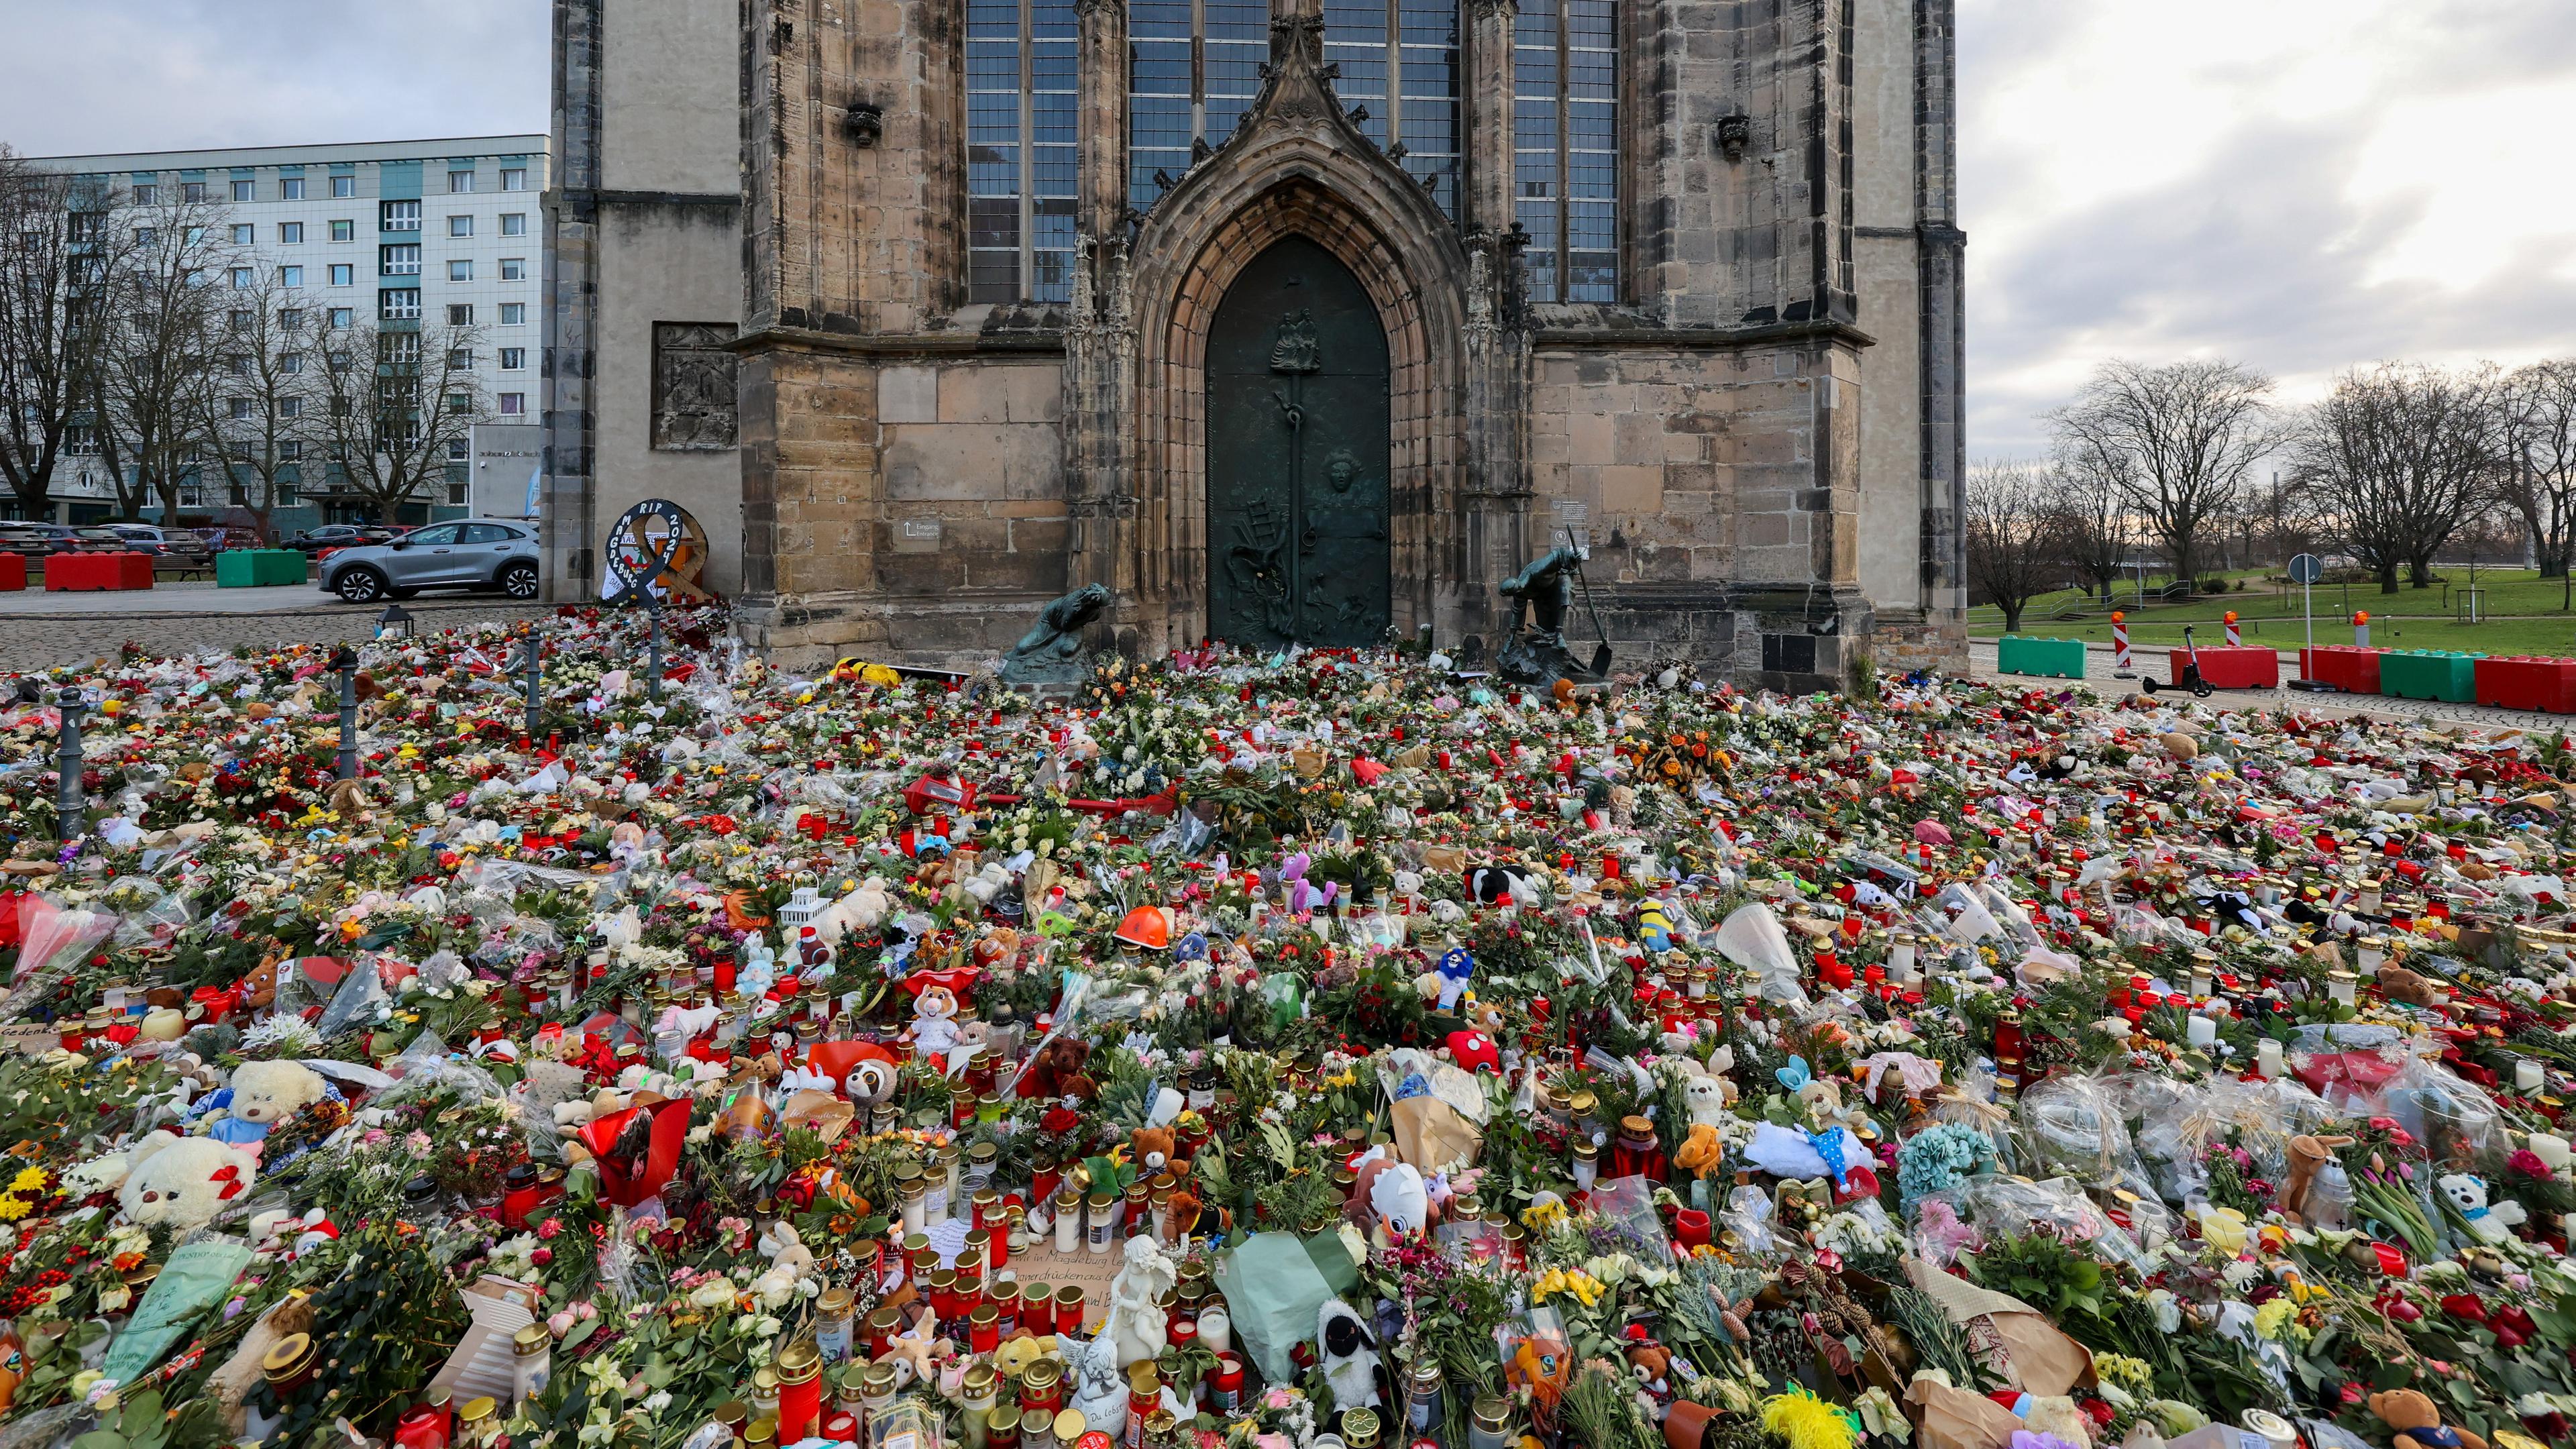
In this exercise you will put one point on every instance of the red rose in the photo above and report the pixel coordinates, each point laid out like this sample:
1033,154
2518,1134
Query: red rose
2465,1306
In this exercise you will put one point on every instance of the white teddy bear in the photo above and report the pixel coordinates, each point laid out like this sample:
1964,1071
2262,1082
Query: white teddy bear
264,1094
2468,1197
182,1181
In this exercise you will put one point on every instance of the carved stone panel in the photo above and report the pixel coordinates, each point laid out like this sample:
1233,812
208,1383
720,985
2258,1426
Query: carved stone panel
693,386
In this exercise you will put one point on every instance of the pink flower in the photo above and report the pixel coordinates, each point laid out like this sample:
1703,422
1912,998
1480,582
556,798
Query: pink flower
1276,1399
542,1256
550,1228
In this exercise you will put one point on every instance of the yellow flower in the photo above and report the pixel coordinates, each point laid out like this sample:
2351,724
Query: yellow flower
29,1179
2273,1317
13,1208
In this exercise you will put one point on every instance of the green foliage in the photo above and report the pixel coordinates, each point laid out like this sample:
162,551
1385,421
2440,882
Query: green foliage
143,1422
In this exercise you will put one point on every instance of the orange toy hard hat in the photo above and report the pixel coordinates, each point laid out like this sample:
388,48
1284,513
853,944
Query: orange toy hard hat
1148,927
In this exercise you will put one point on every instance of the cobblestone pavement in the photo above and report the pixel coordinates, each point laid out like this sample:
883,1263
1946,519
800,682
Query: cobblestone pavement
1981,659
31,642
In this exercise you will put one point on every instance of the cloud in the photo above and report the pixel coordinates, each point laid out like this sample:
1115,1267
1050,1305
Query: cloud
2303,185
152,75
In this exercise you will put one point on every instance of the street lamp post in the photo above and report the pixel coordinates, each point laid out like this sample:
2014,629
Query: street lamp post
534,668
345,663
67,760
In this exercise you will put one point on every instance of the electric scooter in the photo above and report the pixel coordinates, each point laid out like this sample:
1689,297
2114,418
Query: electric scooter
2191,676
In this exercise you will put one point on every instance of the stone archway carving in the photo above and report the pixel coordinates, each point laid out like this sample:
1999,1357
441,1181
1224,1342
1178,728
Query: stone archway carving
1296,167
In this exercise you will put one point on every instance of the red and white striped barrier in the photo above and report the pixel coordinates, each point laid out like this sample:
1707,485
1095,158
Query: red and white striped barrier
2119,644
2235,636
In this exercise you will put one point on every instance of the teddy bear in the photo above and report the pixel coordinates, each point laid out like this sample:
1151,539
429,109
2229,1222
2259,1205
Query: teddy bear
2411,987
1706,1098
1155,1151
261,1095
2468,1197
259,988
1022,1350
2307,1154
1057,1065
182,1182
2416,1424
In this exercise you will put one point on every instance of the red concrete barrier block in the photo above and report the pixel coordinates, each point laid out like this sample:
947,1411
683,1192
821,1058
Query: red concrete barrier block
2352,668
2528,682
2225,668
133,570
13,572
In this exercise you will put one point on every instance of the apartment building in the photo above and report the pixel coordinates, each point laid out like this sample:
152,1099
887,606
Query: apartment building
406,233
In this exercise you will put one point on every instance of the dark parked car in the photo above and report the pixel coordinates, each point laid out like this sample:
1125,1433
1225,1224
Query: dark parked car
339,535
35,540
474,553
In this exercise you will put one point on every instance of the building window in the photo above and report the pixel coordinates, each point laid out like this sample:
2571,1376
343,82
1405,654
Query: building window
344,274
459,358
244,234
460,182
398,261
399,215
241,409
343,187
460,402
343,318
245,191
514,314
81,442
344,231
290,233
1399,61
192,192
1190,77
238,363
1020,98
514,404
147,193
290,276
241,318
290,407
460,314
460,226
514,223
514,178
513,359
514,269
290,364
290,188
1566,157
399,305
290,450
245,278
143,235
290,319
460,270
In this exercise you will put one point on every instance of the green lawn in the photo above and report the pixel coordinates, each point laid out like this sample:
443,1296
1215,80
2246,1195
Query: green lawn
2524,616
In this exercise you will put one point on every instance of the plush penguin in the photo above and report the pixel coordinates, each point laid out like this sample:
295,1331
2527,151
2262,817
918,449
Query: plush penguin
1350,1358
1492,885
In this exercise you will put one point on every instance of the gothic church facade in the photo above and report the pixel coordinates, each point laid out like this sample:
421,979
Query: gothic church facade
1283,319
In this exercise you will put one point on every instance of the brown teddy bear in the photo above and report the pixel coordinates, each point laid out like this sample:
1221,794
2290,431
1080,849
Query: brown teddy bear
1057,1071
259,988
1155,1150
2416,1424
2399,984
2307,1154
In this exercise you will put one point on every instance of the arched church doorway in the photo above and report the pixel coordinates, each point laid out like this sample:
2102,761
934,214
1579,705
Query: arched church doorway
1297,454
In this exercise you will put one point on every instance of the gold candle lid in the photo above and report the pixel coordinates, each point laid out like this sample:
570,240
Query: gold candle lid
477,1410
532,1339
1069,1426
288,1356
834,1302
799,1362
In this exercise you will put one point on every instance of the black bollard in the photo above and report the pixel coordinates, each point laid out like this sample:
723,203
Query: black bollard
653,654
67,759
346,662
535,669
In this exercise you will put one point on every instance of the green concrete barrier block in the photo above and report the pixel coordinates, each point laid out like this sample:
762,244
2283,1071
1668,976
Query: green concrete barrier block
251,568
2442,674
2054,658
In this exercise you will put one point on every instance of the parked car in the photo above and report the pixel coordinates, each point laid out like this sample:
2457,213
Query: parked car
35,540
473,553
338,535
180,545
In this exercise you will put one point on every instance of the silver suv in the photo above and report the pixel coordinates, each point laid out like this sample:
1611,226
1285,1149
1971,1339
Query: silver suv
472,553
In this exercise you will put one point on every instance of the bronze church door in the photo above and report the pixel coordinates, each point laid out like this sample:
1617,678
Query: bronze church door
1297,450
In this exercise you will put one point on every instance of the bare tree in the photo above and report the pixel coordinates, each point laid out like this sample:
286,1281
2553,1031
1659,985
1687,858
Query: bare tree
2540,482
2401,456
52,272
393,401
2089,512
2013,553
2178,440
267,403
169,287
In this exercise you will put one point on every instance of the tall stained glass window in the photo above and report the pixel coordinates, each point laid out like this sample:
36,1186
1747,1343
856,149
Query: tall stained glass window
1194,67
1020,97
1565,143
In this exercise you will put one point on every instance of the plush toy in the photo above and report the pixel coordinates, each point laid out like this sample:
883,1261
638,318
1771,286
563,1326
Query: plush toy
1653,1365
2413,988
1350,1358
2468,1197
784,1249
1057,1064
1022,1350
2307,1154
1700,1153
1496,884
934,1022
182,1181
2416,1424
259,988
1456,968
1154,1150
1706,1097
263,1094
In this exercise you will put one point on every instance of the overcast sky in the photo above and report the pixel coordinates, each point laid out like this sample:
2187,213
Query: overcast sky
2299,184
